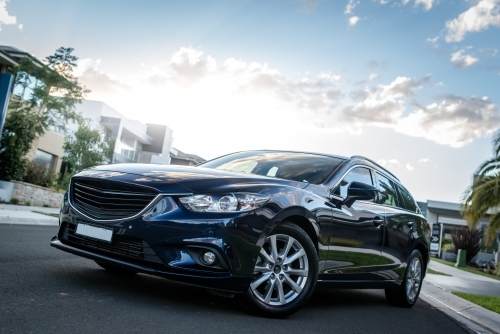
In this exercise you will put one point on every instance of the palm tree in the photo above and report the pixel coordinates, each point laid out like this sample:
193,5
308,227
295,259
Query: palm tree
484,194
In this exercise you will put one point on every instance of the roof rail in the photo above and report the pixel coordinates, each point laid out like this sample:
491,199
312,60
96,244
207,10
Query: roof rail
376,164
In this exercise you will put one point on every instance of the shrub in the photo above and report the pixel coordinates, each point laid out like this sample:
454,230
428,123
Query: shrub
46,206
17,137
37,173
14,200
447,246
27,203
468,240
63,182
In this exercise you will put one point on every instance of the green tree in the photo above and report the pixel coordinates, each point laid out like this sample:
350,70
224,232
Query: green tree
484,194
46,95
85,148
49,91
18,134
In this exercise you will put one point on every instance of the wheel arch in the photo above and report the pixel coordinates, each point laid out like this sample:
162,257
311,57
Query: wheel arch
307,226
424,250
301,217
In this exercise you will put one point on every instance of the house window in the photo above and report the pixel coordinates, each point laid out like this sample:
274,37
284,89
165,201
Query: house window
45,159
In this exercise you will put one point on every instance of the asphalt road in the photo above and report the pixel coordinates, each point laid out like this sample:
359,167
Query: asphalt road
45,290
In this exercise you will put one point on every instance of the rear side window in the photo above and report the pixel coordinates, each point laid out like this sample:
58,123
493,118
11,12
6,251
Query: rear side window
407,202
358,174
387,195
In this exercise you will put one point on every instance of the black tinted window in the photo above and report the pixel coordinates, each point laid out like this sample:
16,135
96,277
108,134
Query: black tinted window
407,202
358,174
387,193
302,167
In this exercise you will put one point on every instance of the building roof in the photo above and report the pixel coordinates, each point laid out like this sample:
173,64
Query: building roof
178,154
443,207
11,56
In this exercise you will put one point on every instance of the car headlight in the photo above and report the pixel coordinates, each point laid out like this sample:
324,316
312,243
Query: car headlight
233,202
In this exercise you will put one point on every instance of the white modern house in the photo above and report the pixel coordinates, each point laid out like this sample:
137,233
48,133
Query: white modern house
134,141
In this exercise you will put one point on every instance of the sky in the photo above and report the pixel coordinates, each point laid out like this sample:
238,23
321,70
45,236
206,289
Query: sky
411,84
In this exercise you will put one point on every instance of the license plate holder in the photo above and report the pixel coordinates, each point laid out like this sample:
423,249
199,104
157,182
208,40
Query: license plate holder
99,233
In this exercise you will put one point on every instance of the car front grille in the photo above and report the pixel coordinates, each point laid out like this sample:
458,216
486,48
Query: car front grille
106,200
121,245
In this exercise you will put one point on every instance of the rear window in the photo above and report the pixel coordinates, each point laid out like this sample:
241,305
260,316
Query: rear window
302,167
387,192
407,201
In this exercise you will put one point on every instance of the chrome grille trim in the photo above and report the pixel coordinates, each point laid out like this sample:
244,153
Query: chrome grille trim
150,205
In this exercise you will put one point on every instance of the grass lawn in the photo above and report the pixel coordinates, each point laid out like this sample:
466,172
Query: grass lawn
47,214
492,303
468,269
430,271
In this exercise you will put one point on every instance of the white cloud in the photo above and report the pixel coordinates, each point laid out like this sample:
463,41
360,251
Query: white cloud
455,121
424,160
329,76
382,105
384,162
479,17
5,18
88,74
433,40
409,167
190,66
373,76
461,60
426,3
309,5
353,20
191,85
234,84
351,4
20,26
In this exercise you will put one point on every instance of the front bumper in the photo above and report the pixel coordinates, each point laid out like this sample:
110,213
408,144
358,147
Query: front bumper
228,283
169,244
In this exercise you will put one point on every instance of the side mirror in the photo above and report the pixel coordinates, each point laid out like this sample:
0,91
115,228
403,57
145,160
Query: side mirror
359,191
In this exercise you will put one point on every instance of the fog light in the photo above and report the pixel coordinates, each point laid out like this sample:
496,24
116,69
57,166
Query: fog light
208,258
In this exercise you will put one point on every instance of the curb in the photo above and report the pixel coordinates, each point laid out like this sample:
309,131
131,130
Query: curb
29,221
474,317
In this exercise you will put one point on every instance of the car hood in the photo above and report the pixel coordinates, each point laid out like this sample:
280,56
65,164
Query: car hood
178,179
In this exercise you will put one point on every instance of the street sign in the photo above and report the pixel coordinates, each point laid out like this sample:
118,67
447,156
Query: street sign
435,238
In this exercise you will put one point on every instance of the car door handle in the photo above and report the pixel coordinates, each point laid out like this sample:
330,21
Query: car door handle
377,221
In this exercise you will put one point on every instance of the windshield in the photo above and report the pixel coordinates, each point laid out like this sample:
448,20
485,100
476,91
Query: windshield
302,167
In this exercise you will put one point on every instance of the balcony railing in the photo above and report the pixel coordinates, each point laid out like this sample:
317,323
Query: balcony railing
134,156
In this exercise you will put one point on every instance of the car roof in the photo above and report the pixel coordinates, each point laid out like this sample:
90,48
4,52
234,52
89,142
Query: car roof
305,152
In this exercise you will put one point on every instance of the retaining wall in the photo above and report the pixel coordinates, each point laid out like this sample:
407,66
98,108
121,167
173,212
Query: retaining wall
27,192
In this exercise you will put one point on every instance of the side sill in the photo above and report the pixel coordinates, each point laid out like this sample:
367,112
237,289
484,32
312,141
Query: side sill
358,284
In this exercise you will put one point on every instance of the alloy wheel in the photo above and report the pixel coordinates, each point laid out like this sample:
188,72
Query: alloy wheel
281,270
413,279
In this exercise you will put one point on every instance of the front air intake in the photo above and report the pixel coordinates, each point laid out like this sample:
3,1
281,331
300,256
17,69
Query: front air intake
108,200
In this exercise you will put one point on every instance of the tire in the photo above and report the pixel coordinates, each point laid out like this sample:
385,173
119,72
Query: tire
115,269
285,273
407,293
